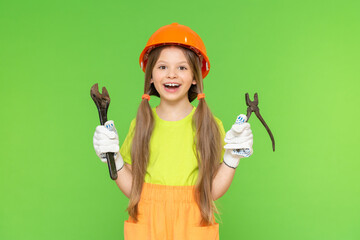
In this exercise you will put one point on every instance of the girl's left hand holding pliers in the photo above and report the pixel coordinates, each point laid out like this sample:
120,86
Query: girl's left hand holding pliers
239,141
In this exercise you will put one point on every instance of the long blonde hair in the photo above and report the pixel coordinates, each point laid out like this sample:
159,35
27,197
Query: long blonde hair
207,143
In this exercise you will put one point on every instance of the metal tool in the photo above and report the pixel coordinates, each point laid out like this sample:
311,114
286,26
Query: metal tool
102,102
253,107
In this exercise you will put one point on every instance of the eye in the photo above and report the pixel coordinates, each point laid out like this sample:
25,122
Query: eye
161,67
183,68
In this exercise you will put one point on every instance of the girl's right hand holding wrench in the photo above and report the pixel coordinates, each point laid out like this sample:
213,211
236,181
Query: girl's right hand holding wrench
106,140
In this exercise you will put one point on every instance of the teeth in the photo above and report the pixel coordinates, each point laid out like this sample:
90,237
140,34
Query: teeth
172,84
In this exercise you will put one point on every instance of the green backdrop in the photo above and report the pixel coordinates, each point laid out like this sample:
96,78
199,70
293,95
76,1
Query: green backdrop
301,57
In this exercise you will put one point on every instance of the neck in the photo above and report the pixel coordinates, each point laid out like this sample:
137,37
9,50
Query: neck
171,111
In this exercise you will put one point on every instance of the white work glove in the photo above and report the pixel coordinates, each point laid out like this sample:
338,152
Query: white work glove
106,140
239,141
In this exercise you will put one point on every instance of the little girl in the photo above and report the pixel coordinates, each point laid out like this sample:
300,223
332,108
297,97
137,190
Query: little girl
176,159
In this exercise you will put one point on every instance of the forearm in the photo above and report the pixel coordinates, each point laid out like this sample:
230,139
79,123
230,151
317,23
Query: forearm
124,180
222,181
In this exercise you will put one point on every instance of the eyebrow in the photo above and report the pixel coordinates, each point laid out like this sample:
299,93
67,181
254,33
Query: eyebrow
166,62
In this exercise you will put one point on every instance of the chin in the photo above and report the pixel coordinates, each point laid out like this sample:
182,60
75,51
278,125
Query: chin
173,98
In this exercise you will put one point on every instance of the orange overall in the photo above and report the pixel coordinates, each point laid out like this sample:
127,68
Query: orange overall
168,213
167,209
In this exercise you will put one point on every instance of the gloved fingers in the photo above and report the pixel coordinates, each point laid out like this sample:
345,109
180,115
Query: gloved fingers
231,135
240,152
244,135
242,139
237,130
110,126
241,119
112,148
231,160
102,132
105,142
247,144
231,152
104,149
104,159
243,152
103,137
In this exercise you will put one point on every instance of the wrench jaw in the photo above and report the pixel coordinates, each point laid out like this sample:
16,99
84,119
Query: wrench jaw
102,101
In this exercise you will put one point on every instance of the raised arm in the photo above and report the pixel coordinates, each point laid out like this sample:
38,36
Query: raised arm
239,141
124,179
222,181
106,140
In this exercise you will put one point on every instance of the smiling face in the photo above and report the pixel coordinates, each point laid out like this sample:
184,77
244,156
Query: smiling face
172,75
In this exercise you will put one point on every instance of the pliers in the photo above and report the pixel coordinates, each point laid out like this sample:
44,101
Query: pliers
253,107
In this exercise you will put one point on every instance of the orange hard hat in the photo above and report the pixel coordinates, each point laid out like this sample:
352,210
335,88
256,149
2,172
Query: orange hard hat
176,34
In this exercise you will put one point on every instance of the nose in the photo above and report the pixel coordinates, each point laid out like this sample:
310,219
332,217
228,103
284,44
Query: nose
172,73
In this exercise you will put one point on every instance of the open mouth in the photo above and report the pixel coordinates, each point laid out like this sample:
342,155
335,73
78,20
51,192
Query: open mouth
172,85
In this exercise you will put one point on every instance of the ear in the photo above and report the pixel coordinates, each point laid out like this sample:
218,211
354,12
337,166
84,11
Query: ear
151,81
193,82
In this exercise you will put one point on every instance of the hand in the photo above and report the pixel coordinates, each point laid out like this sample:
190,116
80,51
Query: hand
239,141
106,140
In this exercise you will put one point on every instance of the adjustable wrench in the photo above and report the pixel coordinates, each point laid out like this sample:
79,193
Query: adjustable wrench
102,102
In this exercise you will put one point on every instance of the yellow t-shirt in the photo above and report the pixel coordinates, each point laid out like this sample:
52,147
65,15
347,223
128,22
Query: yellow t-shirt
172,160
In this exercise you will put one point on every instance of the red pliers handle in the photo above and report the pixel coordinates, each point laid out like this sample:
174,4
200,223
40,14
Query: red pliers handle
253,107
